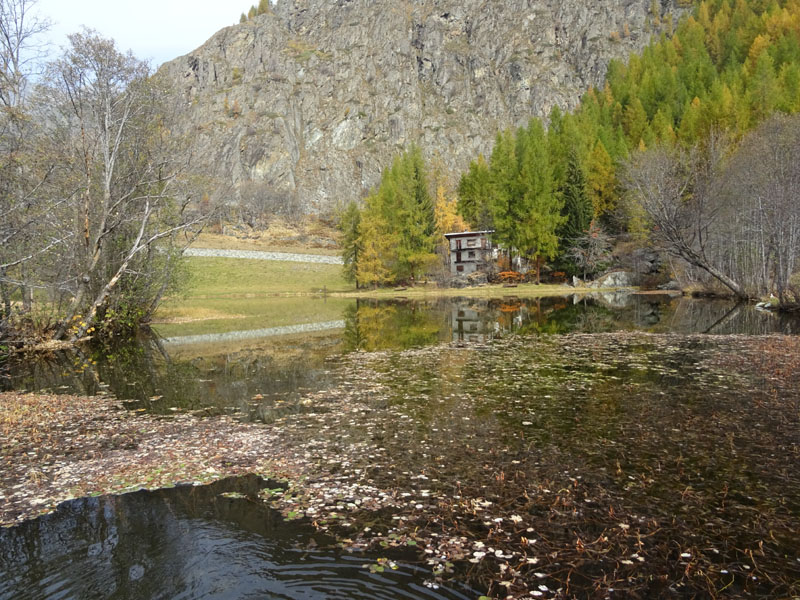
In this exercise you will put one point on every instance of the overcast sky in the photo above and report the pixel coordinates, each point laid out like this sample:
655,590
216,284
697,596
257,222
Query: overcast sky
155,30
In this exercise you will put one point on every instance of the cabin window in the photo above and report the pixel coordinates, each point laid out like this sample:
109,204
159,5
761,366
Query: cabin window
460,268
471,255
472,243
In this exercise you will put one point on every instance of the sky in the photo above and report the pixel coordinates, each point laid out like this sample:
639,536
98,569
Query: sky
155,30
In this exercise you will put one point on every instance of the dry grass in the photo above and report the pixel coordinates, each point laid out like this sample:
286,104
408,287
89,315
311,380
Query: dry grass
174,314
279,236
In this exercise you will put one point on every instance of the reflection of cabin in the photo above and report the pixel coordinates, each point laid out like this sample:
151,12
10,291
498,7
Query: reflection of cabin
471,323
469,251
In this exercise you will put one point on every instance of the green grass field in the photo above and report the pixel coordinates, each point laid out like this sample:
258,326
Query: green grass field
209,277
224,294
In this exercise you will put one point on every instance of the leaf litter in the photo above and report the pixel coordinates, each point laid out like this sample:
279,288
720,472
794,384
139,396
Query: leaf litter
561,466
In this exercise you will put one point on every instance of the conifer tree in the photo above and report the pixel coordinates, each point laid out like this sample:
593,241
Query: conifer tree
401,214
539,208
350,227
601,179
374,265
578,209
504,191
474,191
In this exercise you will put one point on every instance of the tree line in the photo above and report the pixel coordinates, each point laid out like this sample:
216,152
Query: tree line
688,103
397,235
94,205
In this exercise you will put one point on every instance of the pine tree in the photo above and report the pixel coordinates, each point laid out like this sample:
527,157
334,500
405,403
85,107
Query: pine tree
474,191
539,209
635,123
350,227
374,265
601,179
401,214
417,226
504,191
762,91
578,208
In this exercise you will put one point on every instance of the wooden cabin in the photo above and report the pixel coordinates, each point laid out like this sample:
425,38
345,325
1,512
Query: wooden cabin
470,251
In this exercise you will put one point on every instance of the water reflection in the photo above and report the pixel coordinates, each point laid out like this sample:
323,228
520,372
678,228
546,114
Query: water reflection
214,541
266,374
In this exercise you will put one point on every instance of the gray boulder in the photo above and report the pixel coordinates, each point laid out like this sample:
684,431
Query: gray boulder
615,279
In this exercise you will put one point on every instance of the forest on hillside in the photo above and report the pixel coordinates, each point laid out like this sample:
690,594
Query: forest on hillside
687,147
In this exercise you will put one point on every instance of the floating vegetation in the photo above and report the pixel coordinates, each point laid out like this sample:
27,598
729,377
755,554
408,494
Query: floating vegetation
551,466
646,464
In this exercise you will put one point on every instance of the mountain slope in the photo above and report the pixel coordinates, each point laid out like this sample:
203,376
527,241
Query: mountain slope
300,109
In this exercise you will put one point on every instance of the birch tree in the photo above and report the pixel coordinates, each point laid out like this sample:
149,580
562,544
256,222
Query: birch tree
118,166
678,192
760,234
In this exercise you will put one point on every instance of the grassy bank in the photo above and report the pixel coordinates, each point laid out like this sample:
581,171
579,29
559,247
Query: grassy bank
524,290
224,294
218,277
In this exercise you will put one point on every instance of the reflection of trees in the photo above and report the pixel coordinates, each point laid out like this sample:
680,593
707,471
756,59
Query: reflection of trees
720,317
375,325
88,546
144,373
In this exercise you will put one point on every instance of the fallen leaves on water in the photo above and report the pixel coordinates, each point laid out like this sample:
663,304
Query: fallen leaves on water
539,467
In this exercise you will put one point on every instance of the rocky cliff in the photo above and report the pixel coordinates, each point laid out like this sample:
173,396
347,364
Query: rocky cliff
302,108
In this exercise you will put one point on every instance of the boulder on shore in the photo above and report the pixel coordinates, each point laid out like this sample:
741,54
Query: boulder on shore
615,279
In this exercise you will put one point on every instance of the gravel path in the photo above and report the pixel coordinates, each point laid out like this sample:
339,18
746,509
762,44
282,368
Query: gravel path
257,255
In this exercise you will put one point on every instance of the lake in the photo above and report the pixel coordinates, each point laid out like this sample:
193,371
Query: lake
538,447
214,367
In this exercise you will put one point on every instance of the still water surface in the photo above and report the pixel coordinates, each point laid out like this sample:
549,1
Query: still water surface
214,541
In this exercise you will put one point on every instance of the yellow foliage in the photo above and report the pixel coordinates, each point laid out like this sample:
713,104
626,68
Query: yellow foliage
601,180
446,212
757,48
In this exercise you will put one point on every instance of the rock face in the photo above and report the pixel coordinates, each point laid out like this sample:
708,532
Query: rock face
302,108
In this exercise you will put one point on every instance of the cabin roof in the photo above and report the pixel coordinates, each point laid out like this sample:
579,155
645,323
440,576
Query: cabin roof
468,233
